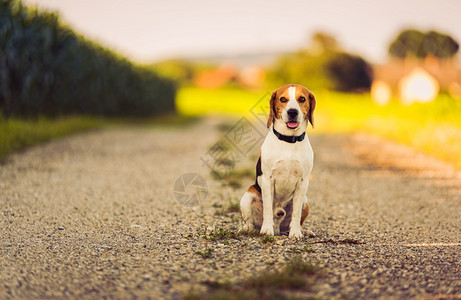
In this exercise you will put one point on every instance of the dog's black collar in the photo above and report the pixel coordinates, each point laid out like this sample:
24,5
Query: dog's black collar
289,138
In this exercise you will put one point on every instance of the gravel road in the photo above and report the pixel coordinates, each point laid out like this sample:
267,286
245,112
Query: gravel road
93,215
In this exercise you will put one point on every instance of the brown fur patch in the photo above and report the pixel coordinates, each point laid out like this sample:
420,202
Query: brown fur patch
305,212
252,189
305,98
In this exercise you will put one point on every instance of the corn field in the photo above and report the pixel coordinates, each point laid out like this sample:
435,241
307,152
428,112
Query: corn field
48,69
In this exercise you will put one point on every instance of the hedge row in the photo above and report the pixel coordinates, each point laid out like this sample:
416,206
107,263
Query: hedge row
47,69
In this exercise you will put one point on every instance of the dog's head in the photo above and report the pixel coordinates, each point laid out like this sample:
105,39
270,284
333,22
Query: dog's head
291,108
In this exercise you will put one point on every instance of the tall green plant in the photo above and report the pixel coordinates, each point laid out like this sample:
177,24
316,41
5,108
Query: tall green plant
47,69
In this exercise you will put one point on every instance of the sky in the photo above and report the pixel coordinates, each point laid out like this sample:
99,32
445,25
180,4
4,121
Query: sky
154,30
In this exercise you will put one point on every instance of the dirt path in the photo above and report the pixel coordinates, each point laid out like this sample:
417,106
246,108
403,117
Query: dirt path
93,215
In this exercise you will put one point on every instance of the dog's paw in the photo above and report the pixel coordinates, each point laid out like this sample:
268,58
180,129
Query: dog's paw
295,234
267,230
246,228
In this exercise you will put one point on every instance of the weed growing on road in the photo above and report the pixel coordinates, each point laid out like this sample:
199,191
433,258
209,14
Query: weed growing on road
217,205
308,249
268,239
232,207
305,249
224,127
232,178
297,275
253,233
220,234
208,253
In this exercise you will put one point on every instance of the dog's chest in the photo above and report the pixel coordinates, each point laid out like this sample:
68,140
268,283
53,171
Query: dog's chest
286,176
286,164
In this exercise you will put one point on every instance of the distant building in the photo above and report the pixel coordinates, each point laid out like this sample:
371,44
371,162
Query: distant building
249,77
413,80
252,77
218,77
418,86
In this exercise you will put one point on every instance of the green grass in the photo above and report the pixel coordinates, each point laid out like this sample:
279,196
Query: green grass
268,239
433,128
291,277
18,134
193,101
232,207
208,253
306,249
232,178
297,275
220,234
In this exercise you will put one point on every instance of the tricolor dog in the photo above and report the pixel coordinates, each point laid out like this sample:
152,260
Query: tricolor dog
277,201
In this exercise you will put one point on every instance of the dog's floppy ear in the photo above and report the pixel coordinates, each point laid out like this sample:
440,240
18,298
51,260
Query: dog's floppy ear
271,113
312,103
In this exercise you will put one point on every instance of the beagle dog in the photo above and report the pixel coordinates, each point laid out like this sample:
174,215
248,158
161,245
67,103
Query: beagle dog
277,203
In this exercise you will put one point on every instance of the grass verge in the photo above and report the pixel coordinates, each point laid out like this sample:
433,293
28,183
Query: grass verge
433,128
18,134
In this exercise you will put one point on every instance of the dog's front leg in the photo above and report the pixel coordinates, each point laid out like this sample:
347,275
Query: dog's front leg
267,227
298,201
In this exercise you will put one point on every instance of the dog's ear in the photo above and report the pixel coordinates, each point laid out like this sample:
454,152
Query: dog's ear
271,113
312,103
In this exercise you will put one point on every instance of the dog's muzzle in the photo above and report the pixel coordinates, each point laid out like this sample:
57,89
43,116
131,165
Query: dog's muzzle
292,118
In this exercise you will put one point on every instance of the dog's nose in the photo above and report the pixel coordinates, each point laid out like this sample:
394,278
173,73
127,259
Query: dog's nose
292,113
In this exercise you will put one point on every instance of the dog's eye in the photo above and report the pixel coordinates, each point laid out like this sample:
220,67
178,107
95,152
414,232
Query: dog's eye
302,99
283,99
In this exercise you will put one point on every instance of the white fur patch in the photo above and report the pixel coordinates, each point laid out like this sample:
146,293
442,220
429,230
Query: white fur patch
292,104
292,93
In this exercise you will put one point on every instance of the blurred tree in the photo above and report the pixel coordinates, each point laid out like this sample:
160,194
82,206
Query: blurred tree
324,42
414,43
305,66
300,67
183,71
322,65
440,45
180,70
349,73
